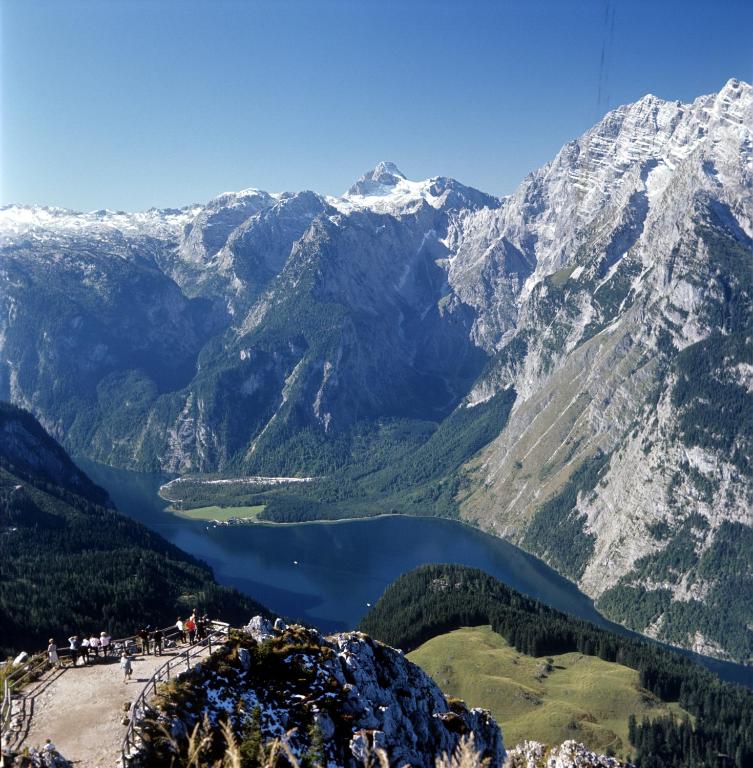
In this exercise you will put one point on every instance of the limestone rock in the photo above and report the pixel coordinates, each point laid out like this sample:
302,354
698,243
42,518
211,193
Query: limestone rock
361,695
569,754
260,628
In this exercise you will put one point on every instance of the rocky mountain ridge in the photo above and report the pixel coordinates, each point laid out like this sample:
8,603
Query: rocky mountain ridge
653,277
346,696
280,333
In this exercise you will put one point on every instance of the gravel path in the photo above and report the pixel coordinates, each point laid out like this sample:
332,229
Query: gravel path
82,710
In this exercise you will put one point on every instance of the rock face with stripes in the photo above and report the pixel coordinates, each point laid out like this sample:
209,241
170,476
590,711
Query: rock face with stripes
631,356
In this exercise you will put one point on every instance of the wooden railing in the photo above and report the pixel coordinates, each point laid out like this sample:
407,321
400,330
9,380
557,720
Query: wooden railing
174,666
30,670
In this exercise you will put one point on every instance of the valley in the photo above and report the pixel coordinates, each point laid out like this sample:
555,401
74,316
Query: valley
376,384
552,677
330,573
539,365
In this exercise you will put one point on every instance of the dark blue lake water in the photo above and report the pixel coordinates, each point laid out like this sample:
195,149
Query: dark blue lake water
329,573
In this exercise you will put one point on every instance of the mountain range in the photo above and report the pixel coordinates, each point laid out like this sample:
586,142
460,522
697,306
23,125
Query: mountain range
592,333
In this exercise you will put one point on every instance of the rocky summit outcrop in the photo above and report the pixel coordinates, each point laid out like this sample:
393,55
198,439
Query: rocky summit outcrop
569,754
335,699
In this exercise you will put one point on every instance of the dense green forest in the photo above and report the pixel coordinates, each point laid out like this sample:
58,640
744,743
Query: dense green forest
435,599
556,532
71,563
394,466
721,616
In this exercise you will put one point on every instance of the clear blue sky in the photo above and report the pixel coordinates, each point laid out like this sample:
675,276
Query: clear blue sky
128,104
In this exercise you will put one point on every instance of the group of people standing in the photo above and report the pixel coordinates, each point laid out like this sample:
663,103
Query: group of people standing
193,628
151,640
84,647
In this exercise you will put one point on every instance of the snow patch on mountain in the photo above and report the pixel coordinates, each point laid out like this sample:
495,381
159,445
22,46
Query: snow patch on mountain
17,221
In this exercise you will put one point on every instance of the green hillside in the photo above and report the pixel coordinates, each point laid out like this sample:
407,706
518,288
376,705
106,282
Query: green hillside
434,600
549,699
398,465
71,563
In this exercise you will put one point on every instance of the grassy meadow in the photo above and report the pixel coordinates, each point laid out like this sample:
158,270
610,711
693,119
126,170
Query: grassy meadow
570,696
218,513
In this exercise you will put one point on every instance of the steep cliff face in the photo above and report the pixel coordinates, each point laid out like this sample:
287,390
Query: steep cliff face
333,699
602,190
633,338
296,311
92,331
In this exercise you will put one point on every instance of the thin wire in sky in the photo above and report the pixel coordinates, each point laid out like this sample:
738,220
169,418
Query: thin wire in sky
607,44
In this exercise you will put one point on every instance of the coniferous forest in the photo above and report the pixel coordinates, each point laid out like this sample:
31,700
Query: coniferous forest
435,599
71,563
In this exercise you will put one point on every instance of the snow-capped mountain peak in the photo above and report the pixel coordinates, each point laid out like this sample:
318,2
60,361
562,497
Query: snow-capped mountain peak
384,175
385,189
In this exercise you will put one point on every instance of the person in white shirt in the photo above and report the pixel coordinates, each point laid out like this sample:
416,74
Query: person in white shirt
181,630
126,666
85,650
75,648
104,642
94,645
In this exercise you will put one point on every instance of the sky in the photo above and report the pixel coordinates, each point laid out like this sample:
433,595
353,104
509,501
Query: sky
128,104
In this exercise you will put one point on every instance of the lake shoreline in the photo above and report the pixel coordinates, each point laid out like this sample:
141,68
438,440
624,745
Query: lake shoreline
332,521
329,573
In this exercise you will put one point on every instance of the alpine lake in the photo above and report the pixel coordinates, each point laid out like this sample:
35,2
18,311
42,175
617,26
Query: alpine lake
329,573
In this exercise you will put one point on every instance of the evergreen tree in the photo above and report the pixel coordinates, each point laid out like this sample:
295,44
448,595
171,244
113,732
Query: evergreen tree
251,741
315,756
632,728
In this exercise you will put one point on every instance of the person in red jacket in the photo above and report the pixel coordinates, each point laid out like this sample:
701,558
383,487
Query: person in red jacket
190,627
